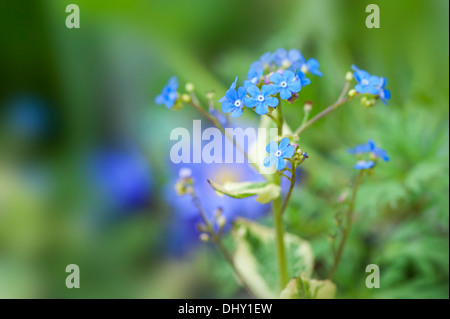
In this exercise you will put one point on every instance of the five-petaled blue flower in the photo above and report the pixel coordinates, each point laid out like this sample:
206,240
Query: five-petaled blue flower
285,59
310,66
367,83
261,99
286,83
233,101
169,93
253,76
370,147
364,165
278,153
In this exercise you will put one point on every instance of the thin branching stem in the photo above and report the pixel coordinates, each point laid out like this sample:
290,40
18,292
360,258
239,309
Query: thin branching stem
347,227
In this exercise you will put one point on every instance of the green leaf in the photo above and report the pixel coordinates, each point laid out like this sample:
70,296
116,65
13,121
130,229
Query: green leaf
255,259
265,191
303,287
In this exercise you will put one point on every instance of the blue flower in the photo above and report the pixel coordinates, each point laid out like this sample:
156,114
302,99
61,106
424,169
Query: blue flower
278,153
304,81
169,93
233,101
285,59
29,117
383,93
370,147
121,178
364,165
253,76
286,83
264,61
261,99
310,66
367,83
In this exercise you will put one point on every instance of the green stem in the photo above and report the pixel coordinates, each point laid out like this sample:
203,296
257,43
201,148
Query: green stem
278,220
279,238
291,188
346,229
217,239
341,100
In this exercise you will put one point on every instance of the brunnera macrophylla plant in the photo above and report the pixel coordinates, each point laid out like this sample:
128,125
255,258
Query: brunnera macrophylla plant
267,261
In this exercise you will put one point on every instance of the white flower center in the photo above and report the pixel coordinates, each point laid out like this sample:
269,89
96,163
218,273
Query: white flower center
283,84
278,153
365,82
260,98
304,68
286,63
237,103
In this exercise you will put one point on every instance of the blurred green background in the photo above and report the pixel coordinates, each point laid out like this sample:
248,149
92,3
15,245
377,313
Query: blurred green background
67,95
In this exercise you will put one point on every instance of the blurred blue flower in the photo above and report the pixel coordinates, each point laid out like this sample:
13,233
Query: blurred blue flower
183,233
28,116
278,153
253,76
233,101
367,83
285,59
312,66
122,178
370,147
286,83
264,61
169,93
383,93
364,165
219,116
261,99
304,81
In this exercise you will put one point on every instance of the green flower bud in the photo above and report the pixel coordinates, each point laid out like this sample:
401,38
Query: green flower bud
186,98
349,76
190,87
352,93
210,95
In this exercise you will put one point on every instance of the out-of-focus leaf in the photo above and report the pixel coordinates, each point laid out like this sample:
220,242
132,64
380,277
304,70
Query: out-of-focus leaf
264,191
303,287
254,257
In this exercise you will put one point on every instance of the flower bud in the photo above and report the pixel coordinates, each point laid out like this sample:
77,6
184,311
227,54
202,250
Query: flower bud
210,95
349,76
308,106
352,93
204,237
185,98
221,221
190,87
364,100
369,103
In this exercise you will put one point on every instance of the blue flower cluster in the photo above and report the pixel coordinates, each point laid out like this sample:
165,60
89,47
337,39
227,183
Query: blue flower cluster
282,72
169,93
374,151
371,84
